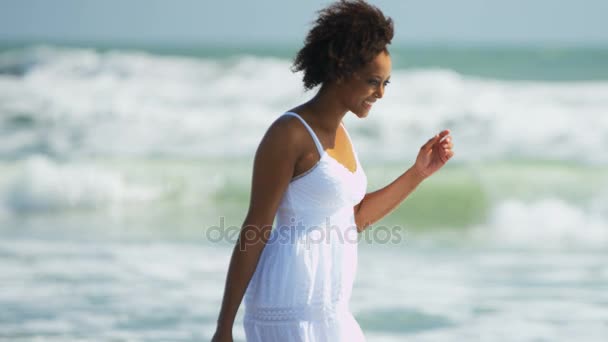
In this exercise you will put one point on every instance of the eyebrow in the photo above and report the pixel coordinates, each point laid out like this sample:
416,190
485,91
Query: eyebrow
378,76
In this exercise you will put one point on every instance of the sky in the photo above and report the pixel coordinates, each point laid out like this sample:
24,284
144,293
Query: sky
231,22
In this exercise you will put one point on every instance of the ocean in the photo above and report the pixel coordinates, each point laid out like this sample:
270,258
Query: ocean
119,163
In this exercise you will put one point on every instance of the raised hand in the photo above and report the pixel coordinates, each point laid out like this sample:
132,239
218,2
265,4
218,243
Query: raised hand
434,154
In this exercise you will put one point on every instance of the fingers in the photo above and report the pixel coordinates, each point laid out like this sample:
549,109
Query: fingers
438,137
446,141
448,154
431,141
445,145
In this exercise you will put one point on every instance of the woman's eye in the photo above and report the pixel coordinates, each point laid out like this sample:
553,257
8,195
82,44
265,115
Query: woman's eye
375,82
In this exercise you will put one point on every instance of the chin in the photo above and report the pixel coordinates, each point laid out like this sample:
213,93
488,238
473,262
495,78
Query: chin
361,113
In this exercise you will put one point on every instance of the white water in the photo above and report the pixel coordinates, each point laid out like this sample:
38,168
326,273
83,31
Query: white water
113,165
78,103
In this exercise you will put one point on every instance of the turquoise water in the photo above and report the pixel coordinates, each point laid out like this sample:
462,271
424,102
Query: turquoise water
547,63
117,163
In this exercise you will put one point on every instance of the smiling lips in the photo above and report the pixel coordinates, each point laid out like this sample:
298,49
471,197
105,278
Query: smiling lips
368,104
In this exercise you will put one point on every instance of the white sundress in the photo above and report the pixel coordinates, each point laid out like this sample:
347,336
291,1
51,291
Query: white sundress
302,285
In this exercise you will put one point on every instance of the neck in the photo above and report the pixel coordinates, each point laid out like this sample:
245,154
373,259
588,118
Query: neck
326,108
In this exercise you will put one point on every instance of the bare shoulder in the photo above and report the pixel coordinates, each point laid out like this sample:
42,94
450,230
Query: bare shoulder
286,135
273,168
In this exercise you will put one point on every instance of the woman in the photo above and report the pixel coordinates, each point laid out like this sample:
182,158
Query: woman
297,278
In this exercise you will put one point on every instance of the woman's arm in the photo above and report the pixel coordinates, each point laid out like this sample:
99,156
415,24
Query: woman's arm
375,205
272,171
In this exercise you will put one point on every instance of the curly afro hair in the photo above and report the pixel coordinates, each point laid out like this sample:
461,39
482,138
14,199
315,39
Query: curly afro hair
346,36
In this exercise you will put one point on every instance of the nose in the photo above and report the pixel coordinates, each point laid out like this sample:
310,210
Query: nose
379,93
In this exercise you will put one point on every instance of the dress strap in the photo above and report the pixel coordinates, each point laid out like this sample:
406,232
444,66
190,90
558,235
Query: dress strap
312,133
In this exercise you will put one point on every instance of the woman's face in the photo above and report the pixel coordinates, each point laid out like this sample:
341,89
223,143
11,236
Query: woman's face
364,87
